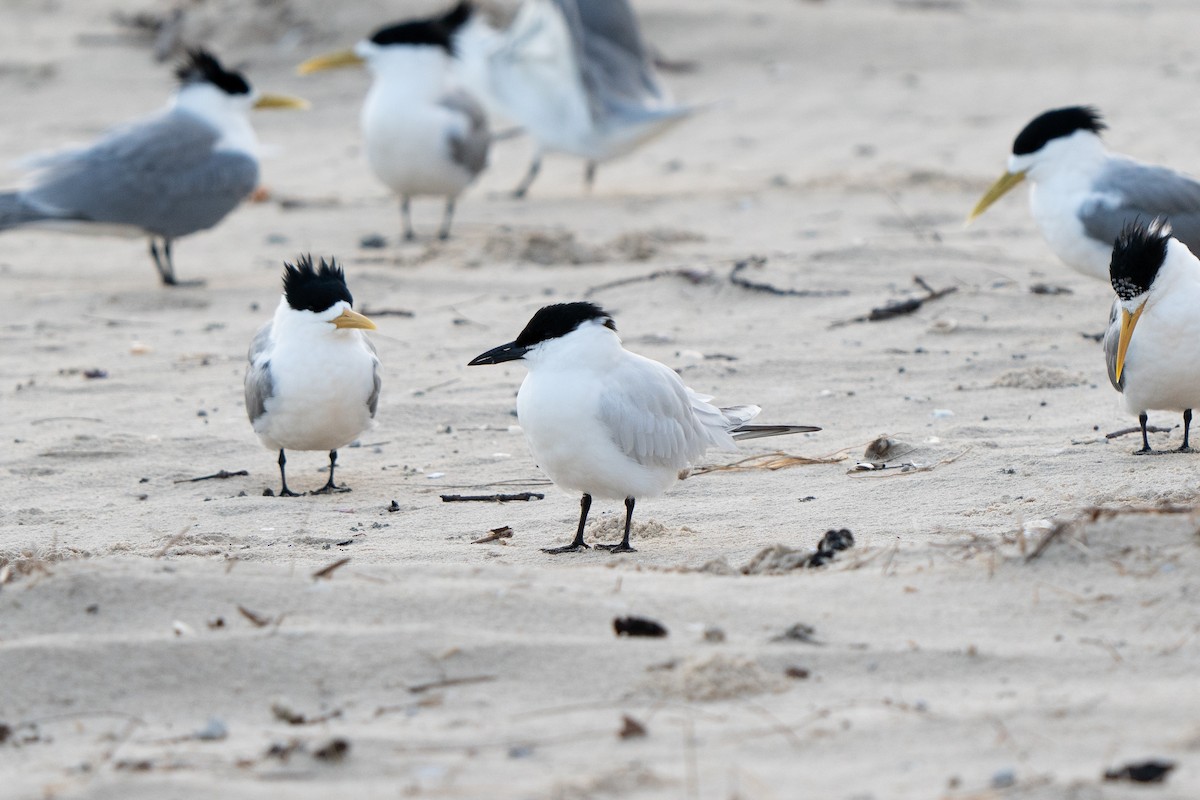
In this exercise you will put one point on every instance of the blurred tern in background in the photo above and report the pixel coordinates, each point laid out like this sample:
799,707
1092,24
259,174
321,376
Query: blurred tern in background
424,135
175,173
575,74
1153,341
313,378
609,423
1082,196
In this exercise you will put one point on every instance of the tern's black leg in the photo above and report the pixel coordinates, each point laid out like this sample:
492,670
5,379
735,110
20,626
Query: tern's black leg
589,176
1143,418
585,505
444,233
1187,424
284,492
623,547
523,187
406,217
166,265
329,486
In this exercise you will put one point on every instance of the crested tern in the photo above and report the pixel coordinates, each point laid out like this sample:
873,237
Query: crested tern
1153,336
313,378
609,423
1082,196
167,176
575,74
424,134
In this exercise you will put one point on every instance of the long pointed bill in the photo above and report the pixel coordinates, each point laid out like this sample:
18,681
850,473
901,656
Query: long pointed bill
498,355
352,319
1000,188
282,101
1128,322
342,58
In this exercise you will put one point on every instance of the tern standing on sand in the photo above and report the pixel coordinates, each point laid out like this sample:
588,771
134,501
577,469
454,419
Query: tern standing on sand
424,135
1152,346
313,378
176,173
609,423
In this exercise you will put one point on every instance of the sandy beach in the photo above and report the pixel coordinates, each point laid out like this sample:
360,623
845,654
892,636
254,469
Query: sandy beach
1019,610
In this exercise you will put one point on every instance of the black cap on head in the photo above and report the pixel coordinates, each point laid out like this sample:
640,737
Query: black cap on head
1054,124
434,31
202,66
316,290
1137,255
551,322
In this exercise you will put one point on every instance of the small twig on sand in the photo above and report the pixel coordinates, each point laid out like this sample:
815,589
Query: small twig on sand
444,682
174,540
327,571
222,475
769,461
758,261
692,276
491,498
1137,429
495,534
387,312
900,308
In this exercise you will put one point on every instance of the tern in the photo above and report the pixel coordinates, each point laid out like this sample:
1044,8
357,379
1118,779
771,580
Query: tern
609,423
167,176
313,378
575,74
1082,196
425,135
1152,345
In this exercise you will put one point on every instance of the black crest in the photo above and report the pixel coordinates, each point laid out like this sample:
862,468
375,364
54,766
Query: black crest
308,289
435,31
202,66
1137,255
1054,124
551,322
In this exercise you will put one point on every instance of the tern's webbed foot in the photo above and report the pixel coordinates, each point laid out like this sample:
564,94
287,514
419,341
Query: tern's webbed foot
573,547
619,547
284,492
1146,451
329,488
1184,450
177,284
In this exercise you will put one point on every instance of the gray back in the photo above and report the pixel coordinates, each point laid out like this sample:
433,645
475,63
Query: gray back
1147,191
471,150
161,175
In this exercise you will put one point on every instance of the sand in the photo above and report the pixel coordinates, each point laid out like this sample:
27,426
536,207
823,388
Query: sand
167,638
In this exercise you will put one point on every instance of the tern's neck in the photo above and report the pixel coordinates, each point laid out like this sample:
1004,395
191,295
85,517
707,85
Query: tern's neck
591,346
227,113
406,72
1080,154
304,328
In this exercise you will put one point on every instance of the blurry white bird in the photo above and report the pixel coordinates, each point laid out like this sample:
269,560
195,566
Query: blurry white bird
609,423
574,74
424,134
175,173
1152,345
313,379
1082,196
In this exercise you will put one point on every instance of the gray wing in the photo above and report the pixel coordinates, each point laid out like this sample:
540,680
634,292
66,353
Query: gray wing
162,175
258,384
1146,191
373,400
471,149
1112,338
653,417
615,68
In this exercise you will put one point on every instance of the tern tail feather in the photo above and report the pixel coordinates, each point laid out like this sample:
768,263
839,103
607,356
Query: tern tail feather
16,211
759,431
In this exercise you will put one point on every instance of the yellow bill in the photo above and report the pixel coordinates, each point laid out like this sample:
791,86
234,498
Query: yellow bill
1000,188
352,319
282,101
1128,322
342,58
